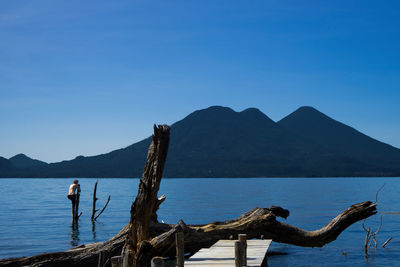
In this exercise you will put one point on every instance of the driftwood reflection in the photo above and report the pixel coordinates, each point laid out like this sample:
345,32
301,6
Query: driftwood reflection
74,234
94,231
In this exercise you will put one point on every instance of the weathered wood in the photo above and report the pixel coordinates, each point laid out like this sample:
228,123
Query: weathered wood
125,259
180,249
73,208
146,199
157,262
239,251
94,201
116,261
144,254
101,259
160,200
243,240
222,253
76,213
259,221
262,221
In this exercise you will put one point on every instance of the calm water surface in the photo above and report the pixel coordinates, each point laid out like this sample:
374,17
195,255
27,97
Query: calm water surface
35,214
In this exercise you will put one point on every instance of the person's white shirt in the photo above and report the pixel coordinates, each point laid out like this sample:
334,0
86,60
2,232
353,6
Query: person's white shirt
73,188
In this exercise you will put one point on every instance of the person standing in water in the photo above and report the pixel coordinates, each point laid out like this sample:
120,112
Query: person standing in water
72,192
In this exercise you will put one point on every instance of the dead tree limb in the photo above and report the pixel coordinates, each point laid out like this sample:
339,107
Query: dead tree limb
77,214
146,199
94,217
94,201
105,206
377,192
386,242
370,236
367,238
262,221
373,234
257,222
160,200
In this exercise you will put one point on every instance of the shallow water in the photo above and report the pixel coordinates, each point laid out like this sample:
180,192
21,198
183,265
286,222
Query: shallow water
35,214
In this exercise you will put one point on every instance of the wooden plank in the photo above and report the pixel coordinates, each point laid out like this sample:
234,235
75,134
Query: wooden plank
222,254
180,250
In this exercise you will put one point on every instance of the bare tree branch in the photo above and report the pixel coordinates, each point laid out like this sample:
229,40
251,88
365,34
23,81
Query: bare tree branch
105,206
377,192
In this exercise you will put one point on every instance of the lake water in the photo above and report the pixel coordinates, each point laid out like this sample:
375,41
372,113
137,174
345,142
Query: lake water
35,214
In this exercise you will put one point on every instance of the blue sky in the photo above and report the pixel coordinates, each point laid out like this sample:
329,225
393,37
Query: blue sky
88,77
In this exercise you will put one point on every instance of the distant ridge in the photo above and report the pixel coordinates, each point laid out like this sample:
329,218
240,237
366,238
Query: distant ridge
219,142
23,161
315,126
6,168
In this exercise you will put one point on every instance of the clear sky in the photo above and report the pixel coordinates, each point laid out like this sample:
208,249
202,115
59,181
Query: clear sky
88,77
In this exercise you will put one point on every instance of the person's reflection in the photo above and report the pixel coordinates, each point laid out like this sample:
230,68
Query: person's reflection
74,234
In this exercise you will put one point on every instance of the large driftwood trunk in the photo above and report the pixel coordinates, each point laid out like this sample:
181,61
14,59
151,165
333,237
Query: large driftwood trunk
257,222
144,237
261,222
146,199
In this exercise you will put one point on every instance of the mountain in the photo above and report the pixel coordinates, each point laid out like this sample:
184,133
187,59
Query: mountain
219,142
315,126
6,167
23,161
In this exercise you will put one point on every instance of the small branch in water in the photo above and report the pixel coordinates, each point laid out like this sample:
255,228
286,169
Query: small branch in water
94,210
105,206
380,227
387,242
94,200
367,238
370,236
377,192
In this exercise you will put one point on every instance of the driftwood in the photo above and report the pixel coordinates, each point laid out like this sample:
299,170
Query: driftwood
370,236
105,206
146,199
387,242
94,201
76,209
257,222
144,237
94,216
262,221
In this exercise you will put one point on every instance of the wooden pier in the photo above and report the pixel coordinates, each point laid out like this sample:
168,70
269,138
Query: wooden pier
222,253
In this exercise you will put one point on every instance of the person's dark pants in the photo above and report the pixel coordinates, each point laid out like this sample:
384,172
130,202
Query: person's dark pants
73,200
